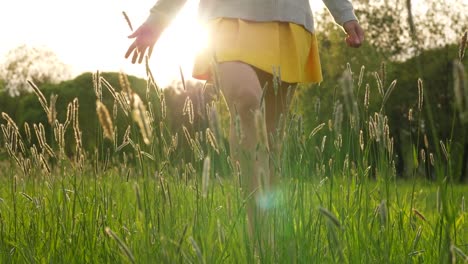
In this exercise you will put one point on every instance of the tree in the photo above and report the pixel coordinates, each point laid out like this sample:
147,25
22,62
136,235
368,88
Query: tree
37,64
401,29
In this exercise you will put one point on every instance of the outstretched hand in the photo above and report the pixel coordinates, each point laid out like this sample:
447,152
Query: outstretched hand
145,38
355,33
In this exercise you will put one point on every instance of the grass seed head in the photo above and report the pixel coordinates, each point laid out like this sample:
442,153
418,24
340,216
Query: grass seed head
463,42
420,94
206,176
140,116
127,19
330,217
40,96
460,89
52,114
367,96
361,75
316,130
105,120
211,139
419,214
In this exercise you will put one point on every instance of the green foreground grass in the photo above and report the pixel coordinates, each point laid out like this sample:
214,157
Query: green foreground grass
117,218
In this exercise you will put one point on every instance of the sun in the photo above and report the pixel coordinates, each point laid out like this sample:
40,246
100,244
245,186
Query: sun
178,46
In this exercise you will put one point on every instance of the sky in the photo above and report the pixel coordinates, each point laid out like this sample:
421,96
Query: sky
91,35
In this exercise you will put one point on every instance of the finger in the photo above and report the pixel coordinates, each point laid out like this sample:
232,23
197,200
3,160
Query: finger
142,55
353,36
130,50
135,56
150,51
135,33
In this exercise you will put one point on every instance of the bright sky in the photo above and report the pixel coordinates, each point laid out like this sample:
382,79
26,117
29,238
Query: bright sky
91,35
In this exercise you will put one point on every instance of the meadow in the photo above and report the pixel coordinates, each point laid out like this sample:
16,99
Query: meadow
151,194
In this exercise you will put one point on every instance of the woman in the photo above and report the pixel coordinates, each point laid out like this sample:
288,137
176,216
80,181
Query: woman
251,41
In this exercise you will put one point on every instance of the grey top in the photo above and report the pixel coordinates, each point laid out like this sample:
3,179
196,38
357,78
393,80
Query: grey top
295,11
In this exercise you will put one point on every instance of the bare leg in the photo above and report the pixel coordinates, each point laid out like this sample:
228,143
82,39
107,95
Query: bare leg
276,108
243,93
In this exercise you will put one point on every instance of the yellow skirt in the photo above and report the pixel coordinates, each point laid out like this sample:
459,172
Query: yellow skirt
268,46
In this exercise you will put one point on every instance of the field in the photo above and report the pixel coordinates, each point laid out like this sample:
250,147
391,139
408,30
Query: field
153,195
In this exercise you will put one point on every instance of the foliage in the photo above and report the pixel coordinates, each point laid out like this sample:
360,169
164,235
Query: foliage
339,192
397,35
37,64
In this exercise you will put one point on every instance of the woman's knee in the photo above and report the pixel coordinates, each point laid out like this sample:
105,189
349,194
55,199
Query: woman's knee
240,86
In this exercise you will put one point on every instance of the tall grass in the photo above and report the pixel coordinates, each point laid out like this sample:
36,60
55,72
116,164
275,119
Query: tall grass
153,195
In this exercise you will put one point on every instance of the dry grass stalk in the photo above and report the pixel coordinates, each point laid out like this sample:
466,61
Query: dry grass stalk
324,140
41,137
61,138
163,106
97,85
260,127
431,158
206,176
420,94
52,113
361,76
69,115
330,216
361,139
76,128
210,138
337,117
126,87
13,154
121,244
6,129
426,141
40,96
126,140
175,141
44,164
388,93
316,130
463,42
383,73
410,115
188,109
109,87
187,135
140,116
419,214
105,120
460,89
349,99
10,122
338,142
124,101
444,150
367,96
198,149
379,84
422,153
27,131
114,110
127,19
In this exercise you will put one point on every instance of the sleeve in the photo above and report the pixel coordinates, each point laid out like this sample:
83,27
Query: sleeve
164,11
341,10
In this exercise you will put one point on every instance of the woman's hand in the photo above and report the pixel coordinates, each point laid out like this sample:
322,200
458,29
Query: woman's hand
355,33
145,38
